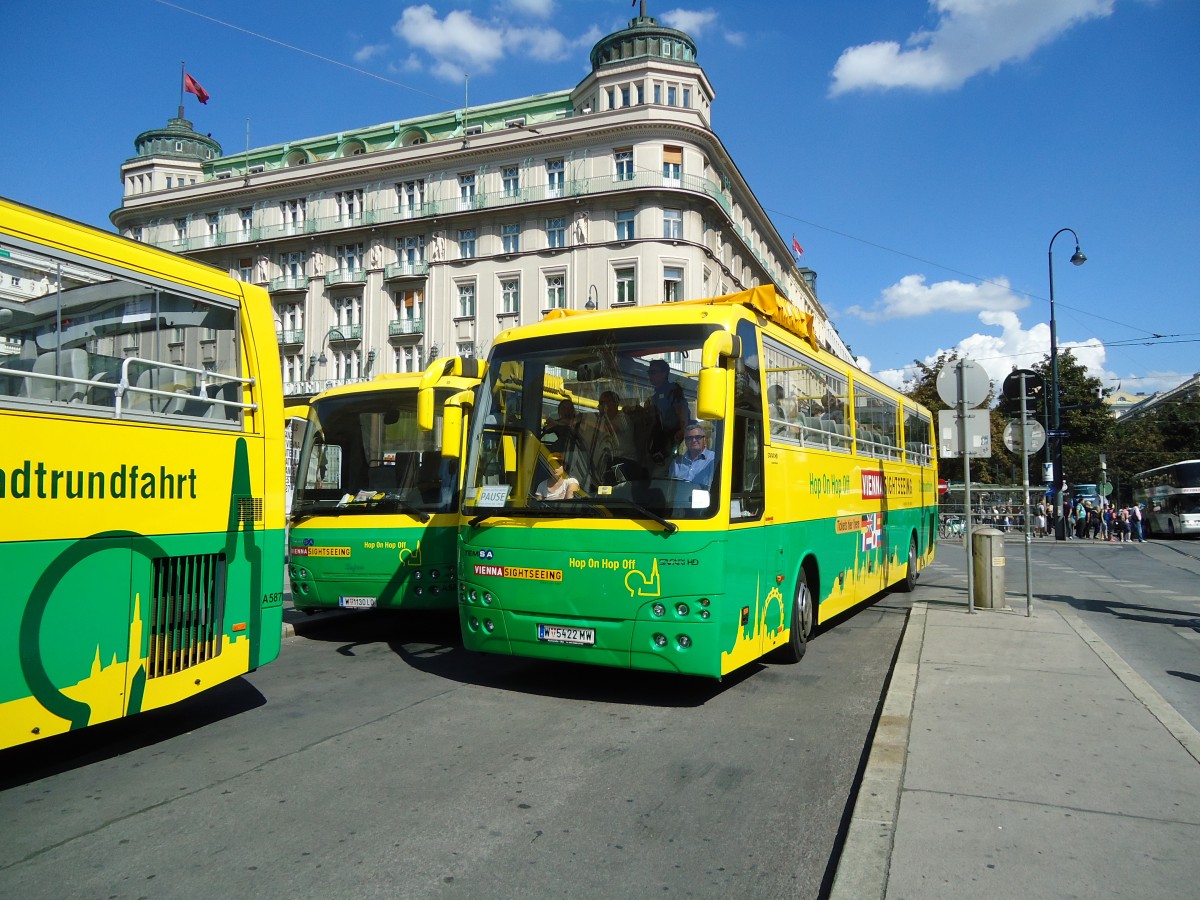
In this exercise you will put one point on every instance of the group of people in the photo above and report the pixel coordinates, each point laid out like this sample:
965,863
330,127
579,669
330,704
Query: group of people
629,442
1102,521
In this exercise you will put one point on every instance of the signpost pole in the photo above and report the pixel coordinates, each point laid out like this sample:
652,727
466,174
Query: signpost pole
1025,486
965,448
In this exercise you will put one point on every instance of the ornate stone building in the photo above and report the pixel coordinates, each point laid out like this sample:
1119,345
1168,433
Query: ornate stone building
387,246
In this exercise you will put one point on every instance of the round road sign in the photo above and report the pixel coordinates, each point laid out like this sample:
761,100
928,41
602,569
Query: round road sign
975,383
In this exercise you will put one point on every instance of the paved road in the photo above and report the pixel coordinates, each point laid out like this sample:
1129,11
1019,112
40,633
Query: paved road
1143,600
378,759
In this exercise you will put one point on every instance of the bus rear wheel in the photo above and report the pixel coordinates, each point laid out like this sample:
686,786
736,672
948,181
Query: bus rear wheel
802,624
909,584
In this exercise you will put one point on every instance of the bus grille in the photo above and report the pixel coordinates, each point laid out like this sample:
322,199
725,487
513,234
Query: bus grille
187,607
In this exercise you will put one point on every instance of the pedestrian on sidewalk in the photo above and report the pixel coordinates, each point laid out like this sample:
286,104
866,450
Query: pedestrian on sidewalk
1109,517
1135,522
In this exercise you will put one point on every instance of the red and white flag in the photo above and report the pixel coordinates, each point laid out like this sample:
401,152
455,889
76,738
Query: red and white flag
192,86
796,248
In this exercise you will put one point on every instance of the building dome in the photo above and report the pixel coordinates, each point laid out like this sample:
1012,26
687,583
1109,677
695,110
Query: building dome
644,38
177,141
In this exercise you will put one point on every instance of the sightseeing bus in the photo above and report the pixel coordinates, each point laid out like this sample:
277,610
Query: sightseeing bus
375,514
141,477
1172,497
731,485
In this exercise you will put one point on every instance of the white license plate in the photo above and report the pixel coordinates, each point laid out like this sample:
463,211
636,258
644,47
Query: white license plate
357,602
561,634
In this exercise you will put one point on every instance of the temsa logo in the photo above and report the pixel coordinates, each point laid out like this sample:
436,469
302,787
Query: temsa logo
872,485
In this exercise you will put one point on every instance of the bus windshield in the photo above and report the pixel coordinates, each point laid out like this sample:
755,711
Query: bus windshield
607,427
364,453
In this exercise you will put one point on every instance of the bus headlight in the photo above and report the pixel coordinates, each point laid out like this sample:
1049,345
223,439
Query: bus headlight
658,609
472,596
682,609
473,623
660,640
489,626
487,598
684,641
435,574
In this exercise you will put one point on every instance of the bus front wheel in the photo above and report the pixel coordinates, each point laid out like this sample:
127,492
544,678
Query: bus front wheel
802,623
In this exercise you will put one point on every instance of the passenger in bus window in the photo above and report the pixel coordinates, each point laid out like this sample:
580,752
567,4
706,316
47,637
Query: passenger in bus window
560,485
668,409
695,464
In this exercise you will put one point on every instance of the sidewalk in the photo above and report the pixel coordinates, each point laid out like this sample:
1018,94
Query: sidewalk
1020,757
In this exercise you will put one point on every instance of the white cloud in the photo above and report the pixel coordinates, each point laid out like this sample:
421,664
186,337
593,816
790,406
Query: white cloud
369,52
911,296
1012,346
462,44
737,38
968,37
458,42
693,21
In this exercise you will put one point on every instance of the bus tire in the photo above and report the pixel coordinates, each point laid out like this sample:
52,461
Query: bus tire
802,623
909,583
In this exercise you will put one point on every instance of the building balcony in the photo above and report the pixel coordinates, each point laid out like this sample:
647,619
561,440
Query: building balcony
344,333
287,284
345,277
401,270
402,328
290,337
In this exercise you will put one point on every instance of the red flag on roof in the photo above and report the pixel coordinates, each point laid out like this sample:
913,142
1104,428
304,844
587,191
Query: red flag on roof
192,86
796,248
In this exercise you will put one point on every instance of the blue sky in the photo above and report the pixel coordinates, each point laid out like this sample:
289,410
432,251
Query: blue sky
923,152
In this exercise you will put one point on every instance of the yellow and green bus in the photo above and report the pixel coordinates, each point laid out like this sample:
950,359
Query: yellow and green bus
375,512
810,487
141,477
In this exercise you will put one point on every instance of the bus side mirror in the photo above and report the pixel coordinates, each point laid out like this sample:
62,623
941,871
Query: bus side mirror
452,423
457,366
713,387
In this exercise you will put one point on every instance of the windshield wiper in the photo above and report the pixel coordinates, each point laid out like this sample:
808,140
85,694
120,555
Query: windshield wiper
668,526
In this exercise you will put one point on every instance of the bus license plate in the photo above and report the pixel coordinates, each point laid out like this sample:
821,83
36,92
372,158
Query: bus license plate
560,634
356,602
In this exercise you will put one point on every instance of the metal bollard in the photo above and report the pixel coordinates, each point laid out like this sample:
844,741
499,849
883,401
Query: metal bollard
987,567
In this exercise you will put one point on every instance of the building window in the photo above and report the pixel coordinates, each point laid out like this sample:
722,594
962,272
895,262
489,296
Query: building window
511,177
410,305
466,191
137,233
556,174
672,284
213,222
466,299
624,162
673,224
410,197
625,96
465,349
408,359
672,92
672,165
347,312
292,267
350,206
246,219
687,98
181,226
625,285
410,252
555,291
556,233
466,243
510,294
510,237
293,213
349,257
641,94
658,93
170,182
625,221
293,368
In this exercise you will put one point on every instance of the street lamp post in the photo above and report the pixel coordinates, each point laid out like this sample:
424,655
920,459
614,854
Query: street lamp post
1078,259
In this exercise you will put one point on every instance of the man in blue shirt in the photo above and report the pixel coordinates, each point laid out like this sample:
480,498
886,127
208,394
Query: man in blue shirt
696,465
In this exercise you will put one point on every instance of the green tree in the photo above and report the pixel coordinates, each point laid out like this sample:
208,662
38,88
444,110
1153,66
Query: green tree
1084,416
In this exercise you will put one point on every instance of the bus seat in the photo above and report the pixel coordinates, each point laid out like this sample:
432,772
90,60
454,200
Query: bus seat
70,364
15,385
142,402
